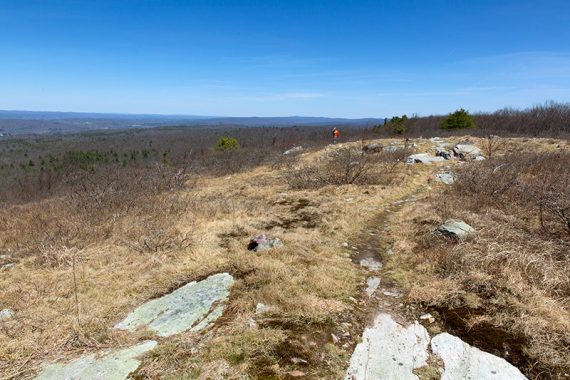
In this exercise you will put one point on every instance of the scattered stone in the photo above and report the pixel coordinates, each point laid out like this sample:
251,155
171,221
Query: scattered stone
443,152
344,245
335,338
252,324
466,151
393,148
371,264
389,251
263,243
261,308
389,351
392,294
456,229
373,283
372,148
109,365
479,158
423,158
446,178
462,361
8,266
299,361
435,139
428,317
293,150
296,373
6,313
192,307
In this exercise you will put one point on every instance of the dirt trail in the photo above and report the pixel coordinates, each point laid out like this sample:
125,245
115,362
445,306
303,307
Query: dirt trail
394,344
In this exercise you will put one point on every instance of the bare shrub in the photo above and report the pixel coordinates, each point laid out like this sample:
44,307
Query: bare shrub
491,145
537,182
344,166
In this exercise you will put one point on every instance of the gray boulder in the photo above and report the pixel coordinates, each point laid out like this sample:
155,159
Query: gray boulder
456,229
466,152
446,178
109,365
192,307
372,148
263,243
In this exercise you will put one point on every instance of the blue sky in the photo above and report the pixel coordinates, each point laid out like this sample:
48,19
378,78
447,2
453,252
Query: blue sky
277,58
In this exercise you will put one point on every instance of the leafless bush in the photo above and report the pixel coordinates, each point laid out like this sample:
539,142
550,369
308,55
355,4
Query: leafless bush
97,207
491,145
536,182
344,166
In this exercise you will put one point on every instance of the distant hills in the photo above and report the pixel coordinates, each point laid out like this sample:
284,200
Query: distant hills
37,122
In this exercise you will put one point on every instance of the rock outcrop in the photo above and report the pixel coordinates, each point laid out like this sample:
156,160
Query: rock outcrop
191,307
462,361
109,365
423,158
389,351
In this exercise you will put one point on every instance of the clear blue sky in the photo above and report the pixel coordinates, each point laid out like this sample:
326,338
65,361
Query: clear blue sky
289,57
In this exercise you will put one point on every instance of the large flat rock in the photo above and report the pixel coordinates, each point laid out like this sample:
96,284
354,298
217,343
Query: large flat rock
389,351
109,365
423,158
462,361
191,307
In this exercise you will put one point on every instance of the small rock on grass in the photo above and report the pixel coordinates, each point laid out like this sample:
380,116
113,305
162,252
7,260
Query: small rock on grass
261,308
456,229
6,313
296,373
428,317
263,243
392,294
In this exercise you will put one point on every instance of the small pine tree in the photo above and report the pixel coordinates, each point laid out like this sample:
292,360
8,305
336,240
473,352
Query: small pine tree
226,143
460,119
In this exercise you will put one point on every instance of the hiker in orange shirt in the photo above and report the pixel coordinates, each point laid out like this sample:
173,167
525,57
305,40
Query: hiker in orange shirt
336,135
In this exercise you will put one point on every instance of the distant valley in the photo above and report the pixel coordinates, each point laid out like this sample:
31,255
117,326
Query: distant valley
36,122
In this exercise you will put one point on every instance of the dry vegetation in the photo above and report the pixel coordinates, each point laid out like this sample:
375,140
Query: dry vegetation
507,289
105,236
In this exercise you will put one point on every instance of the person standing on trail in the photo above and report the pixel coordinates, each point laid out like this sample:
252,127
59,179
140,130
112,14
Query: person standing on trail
336,135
